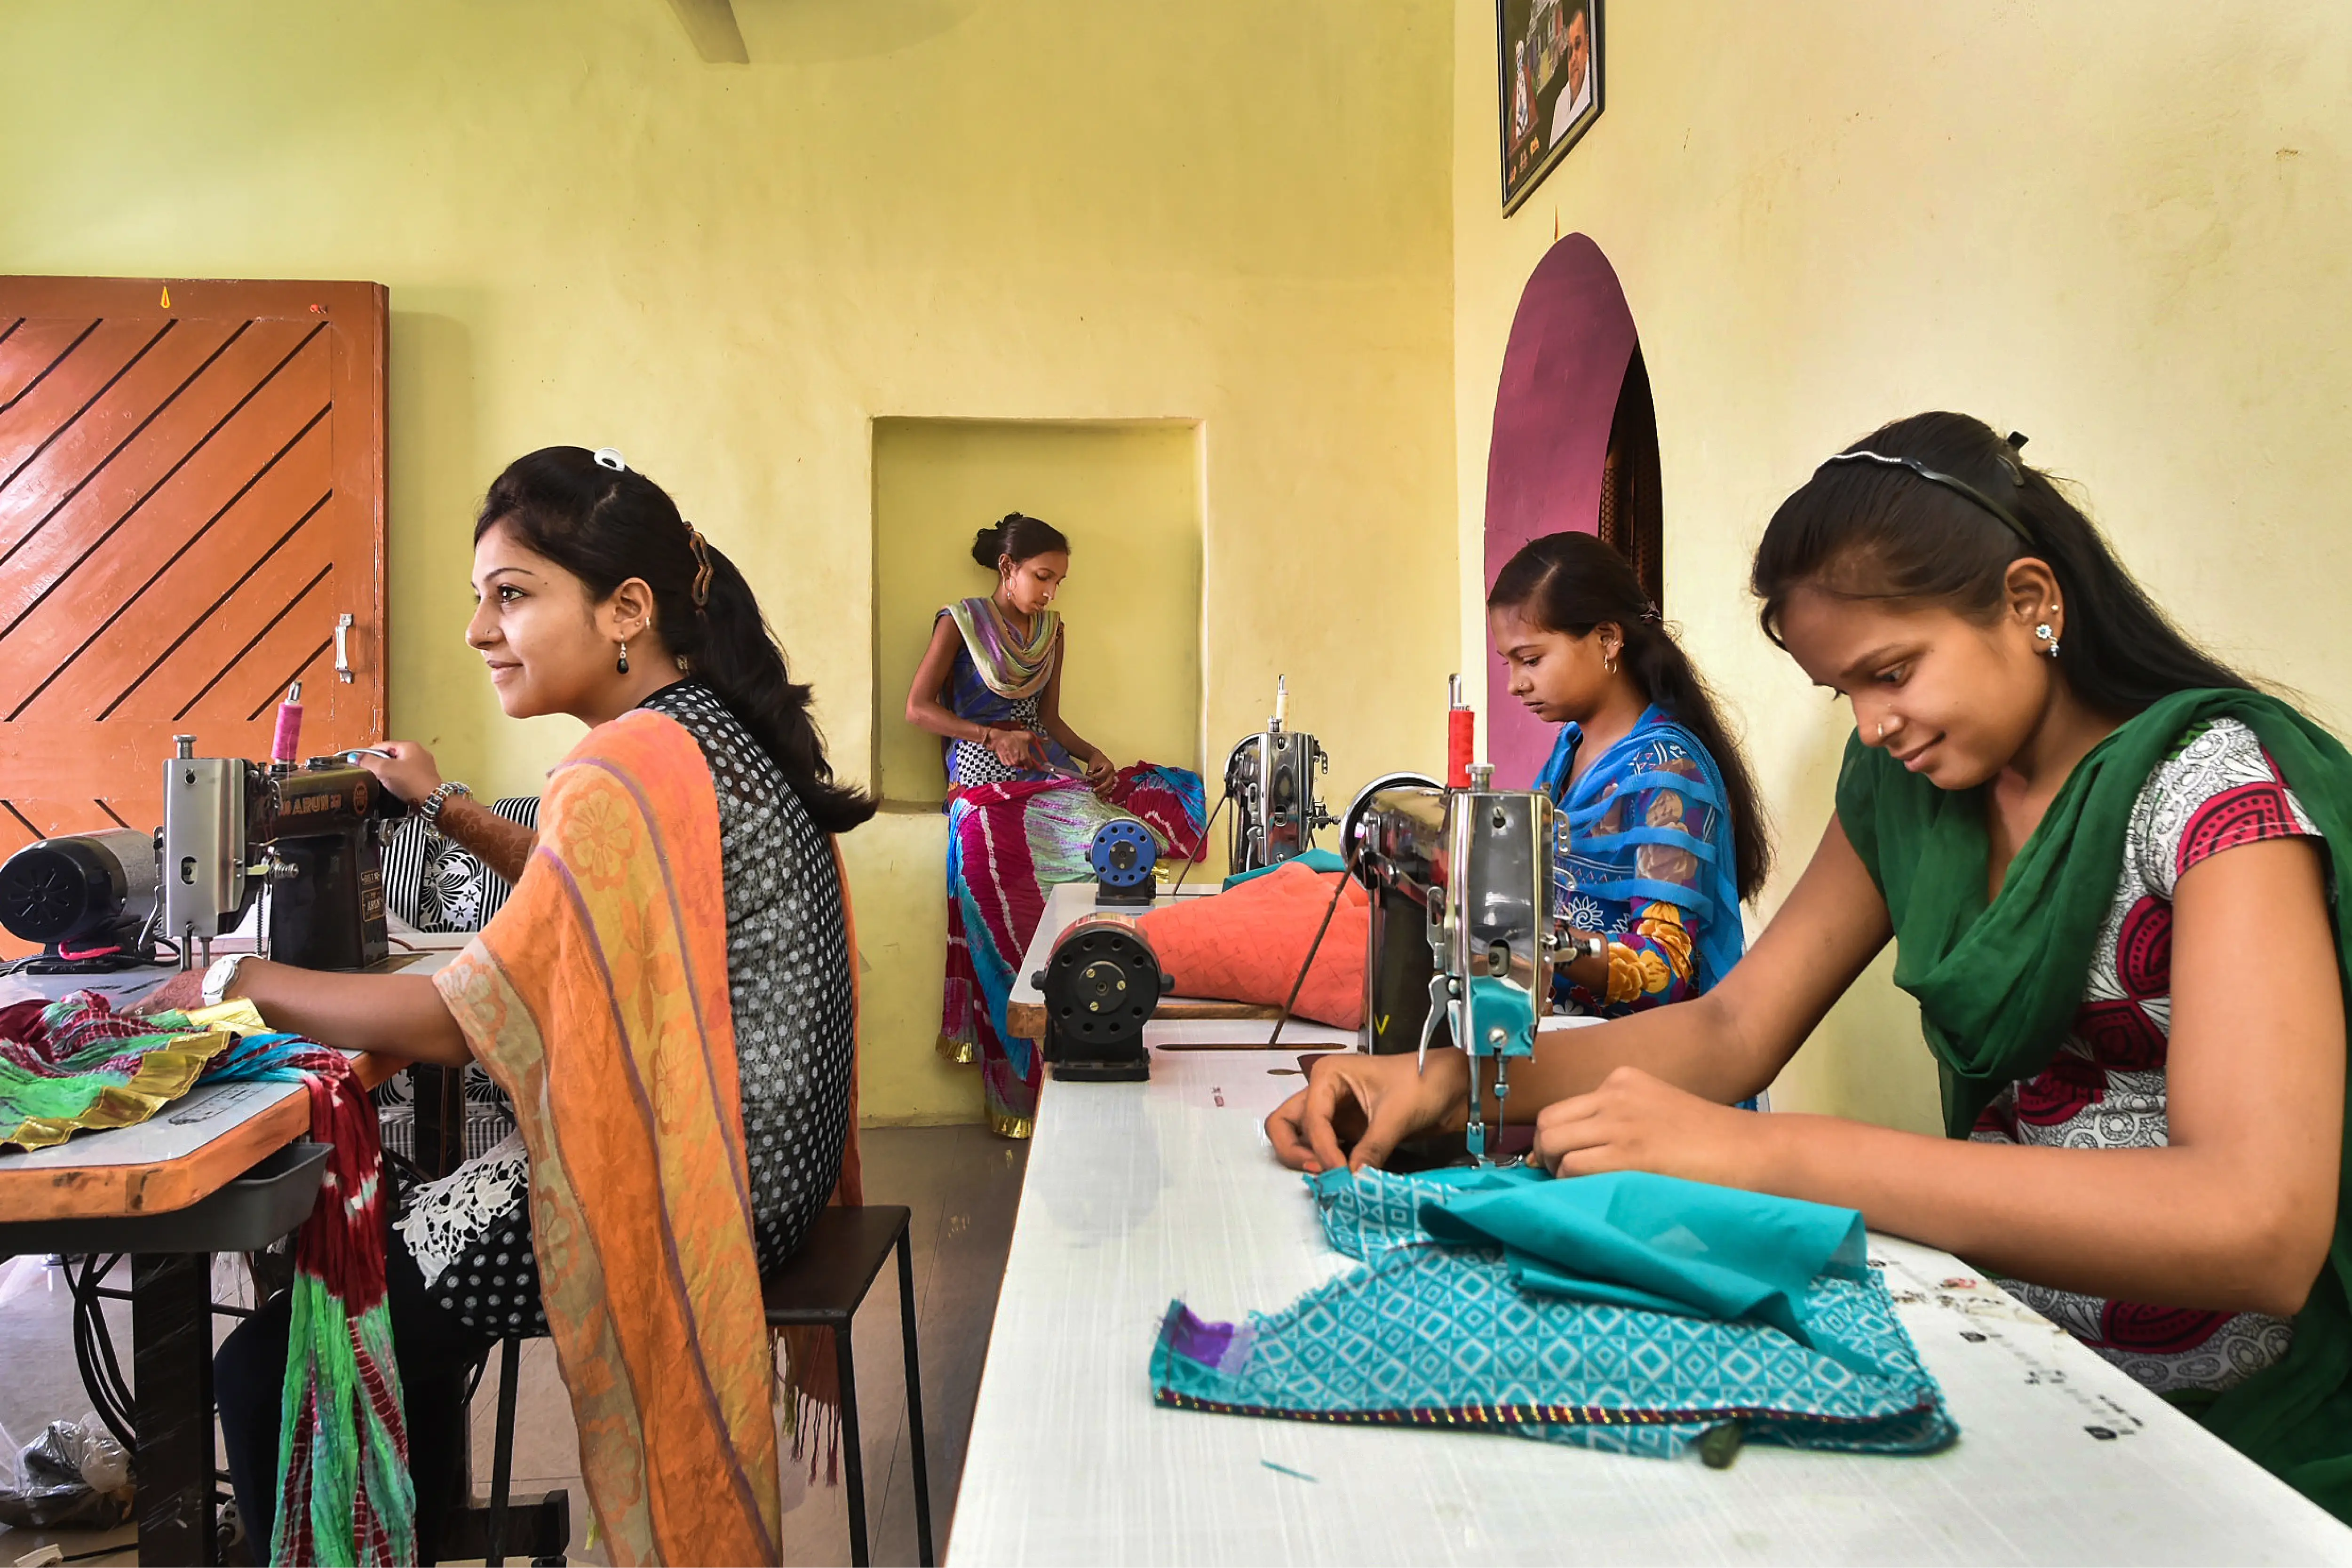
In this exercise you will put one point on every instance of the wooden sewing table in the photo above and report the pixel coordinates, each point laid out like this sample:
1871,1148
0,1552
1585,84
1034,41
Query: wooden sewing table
76,1198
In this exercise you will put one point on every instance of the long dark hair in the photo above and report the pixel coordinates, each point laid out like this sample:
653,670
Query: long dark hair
1571,583
1017,538
1879,530
605,526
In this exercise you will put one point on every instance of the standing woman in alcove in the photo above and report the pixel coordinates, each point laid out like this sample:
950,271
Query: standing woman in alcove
990,685
1025,795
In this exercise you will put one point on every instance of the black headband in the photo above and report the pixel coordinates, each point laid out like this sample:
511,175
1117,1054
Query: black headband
1958,486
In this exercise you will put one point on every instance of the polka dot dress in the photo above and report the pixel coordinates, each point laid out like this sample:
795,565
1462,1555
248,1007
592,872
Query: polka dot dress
789,987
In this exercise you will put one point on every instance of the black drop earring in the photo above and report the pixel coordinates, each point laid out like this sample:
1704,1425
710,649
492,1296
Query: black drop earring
621,663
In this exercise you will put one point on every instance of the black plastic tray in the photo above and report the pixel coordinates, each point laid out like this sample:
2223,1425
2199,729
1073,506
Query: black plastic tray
245,1216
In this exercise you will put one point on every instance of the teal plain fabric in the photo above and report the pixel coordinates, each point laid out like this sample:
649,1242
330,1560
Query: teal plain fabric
1658,1242
1312,860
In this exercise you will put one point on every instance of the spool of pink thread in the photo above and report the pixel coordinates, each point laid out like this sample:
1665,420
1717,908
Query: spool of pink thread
286,744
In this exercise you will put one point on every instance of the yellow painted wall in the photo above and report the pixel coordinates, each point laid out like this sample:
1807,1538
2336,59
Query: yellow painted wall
1128,497
1226,211
2125,229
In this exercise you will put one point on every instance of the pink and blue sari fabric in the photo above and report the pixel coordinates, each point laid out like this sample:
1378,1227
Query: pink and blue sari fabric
1007,845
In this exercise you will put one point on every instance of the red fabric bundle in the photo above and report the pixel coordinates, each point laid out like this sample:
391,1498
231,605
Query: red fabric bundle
1247,945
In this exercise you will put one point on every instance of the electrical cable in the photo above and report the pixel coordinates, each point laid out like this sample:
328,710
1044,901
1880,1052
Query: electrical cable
101,1373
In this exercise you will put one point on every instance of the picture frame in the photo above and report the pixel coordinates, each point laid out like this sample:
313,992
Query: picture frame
1550,77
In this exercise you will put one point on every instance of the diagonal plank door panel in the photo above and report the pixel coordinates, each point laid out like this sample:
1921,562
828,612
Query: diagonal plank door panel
191,494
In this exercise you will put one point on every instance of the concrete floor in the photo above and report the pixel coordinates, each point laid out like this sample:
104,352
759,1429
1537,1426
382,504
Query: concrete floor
963,1185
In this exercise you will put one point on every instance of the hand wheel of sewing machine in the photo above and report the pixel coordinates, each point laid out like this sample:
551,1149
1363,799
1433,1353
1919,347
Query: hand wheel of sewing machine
1101,984
1123,853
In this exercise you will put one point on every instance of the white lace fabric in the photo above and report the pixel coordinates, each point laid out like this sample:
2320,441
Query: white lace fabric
449,1217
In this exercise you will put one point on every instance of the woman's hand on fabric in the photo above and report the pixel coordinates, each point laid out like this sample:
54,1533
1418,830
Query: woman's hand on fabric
183,992
1017,748
1100,772
409,773
1374,1102
1635,1122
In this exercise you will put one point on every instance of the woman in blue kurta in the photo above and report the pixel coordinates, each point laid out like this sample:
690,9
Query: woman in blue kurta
1665,835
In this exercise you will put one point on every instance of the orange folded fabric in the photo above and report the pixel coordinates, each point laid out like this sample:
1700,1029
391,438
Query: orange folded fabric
1247,945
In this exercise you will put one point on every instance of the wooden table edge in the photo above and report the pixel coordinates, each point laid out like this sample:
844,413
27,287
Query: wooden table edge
106,1192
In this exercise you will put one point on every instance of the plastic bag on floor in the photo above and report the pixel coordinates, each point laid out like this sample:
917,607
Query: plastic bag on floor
74,1474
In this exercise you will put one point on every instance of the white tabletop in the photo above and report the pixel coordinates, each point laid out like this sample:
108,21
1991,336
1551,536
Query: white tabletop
1139,1192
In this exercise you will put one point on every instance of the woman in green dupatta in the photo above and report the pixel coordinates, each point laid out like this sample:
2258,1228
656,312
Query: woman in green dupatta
2109,867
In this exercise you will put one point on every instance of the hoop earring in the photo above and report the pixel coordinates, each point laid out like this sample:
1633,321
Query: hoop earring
2045,632
621,663
1608,663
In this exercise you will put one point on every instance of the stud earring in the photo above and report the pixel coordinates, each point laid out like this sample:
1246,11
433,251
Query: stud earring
681,664
2047,636
621,663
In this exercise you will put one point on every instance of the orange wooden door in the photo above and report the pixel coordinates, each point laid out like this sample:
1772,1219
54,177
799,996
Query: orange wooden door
191,491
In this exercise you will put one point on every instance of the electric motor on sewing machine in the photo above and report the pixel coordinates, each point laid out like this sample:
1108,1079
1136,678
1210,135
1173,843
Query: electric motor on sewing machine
1101,984
1123,854
81,889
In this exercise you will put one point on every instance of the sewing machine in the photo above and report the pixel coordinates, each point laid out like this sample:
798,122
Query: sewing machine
310,835
1465,921
1270,779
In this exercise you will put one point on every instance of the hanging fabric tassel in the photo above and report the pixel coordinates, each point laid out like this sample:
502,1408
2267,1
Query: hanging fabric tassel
344,1496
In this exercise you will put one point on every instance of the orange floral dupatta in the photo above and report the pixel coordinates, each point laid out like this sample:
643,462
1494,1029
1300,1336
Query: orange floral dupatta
598,999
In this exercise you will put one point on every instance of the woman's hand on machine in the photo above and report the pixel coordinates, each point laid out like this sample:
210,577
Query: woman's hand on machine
1376,1101
1634,1121
409,773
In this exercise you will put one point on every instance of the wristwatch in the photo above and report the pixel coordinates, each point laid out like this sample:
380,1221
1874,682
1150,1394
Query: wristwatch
220,977
430,807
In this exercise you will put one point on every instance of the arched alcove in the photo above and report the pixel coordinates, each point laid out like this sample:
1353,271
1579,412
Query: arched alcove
1574,448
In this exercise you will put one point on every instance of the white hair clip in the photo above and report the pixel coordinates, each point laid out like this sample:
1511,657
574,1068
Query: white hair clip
610,457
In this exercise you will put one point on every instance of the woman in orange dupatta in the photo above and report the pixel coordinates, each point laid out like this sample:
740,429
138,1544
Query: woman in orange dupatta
668,999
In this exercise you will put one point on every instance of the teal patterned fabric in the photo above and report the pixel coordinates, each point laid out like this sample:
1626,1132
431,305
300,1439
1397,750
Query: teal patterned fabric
1431,1335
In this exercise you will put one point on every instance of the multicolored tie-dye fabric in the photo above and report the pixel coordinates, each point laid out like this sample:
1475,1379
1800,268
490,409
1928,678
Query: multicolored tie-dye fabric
1429,1334
343,1489
1007,843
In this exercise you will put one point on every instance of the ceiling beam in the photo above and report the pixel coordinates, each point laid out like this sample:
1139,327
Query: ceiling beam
710,24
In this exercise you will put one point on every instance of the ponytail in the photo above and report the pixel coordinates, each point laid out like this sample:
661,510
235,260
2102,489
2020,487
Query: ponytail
1571,583
1017,539
607,524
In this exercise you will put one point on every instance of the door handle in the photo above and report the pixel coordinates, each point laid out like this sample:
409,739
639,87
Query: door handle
343,649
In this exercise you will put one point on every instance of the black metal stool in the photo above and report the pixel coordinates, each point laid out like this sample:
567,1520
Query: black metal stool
821,1286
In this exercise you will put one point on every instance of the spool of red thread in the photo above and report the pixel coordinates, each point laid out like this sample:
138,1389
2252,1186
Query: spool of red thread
1461,740
286,744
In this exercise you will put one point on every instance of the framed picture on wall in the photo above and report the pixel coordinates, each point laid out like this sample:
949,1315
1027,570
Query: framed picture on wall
1550,55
